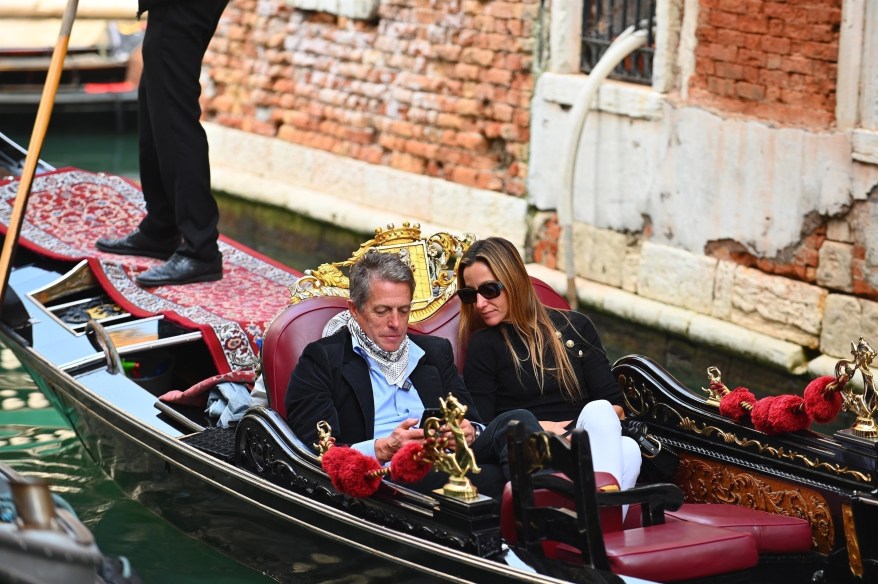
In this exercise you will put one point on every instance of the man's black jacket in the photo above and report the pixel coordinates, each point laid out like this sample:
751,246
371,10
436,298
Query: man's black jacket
331,382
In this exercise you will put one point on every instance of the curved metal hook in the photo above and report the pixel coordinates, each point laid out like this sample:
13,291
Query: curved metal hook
114,362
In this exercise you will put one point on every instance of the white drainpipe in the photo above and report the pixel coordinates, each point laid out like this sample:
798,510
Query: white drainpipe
625,44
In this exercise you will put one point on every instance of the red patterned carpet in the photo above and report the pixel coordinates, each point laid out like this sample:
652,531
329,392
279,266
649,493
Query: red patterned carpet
69,209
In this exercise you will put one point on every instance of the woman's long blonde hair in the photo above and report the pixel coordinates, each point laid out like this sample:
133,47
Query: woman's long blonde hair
527,315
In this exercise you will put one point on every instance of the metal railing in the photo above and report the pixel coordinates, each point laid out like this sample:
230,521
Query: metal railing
603,21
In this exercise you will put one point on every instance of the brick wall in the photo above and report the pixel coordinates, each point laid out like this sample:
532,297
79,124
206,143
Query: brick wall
832,254
771,59
441,89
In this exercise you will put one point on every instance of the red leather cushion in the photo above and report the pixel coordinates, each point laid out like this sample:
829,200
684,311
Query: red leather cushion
443,323
679,551
775,534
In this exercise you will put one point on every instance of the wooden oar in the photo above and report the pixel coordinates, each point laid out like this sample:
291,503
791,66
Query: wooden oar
38,136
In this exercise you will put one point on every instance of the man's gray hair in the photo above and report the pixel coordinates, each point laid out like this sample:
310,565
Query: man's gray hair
377,266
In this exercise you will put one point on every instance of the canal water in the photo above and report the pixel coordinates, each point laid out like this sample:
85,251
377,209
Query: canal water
37,441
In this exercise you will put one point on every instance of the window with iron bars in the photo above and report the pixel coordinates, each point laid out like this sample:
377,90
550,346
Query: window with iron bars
603,21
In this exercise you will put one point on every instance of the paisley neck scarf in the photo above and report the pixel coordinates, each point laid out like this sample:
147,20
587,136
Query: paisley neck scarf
393,364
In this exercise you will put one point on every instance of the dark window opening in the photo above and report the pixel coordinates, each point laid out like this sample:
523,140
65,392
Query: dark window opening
603,21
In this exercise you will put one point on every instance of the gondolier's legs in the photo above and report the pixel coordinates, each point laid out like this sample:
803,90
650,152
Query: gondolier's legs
174,166
182,215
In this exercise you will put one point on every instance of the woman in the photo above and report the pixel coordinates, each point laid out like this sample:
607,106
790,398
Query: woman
520,354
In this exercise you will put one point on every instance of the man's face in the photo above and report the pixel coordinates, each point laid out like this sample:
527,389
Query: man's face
385,316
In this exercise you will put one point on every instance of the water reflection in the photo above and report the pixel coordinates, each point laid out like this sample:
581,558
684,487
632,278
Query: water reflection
37,442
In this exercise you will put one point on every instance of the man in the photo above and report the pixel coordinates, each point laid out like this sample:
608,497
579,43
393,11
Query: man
371,381
181,221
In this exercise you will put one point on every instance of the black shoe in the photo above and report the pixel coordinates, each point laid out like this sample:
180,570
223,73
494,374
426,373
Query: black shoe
136,243
180,269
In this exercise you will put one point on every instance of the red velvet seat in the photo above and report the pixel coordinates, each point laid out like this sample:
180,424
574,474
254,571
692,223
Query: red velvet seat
300,324
775,534
545,523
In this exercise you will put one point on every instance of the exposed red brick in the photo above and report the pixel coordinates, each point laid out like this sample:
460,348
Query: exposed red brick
770,59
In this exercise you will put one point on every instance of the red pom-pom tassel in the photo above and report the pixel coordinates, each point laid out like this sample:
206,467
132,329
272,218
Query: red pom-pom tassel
408,464
822,402
732,405
352,472
787,414
759,414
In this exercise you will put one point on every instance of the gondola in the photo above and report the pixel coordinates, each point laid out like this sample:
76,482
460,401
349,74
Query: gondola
42,541
132,368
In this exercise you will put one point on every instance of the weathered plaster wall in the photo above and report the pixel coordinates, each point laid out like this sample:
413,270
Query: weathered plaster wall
732,193
737,217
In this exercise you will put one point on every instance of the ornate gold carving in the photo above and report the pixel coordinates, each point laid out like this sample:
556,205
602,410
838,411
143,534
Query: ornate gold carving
864,403
715,390
707,481
640,401
76,280
433,261
461,460
850,533
538,452
325,441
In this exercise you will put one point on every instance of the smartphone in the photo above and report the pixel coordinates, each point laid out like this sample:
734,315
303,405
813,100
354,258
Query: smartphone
429,413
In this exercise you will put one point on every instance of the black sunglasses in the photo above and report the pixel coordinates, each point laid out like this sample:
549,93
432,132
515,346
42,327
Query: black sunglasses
488,290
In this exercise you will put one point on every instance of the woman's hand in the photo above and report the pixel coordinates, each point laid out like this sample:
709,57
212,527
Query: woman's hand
619,412
559,428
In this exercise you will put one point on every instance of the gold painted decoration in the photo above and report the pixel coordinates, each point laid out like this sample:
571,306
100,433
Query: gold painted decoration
325,441
709,481
433,261
855,558
863,403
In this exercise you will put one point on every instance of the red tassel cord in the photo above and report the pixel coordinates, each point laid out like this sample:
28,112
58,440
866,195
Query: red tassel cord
737,403
352,472
778,414
823,397
759,414
355,474
787,414
410,463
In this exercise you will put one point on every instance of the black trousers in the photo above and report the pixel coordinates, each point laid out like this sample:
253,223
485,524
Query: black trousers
491,452
174,167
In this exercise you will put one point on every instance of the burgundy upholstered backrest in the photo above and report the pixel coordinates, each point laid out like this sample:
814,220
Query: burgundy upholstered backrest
302,323
548,295
290,332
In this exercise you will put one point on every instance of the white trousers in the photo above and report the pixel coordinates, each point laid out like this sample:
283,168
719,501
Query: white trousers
610,451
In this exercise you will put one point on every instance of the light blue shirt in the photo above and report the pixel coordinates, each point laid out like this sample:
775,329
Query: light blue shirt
393,403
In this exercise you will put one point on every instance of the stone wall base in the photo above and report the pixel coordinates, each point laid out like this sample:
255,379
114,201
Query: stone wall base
354,194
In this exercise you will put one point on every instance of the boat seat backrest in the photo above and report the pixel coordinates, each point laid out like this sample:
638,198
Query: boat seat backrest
547,527
292,330
302,323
